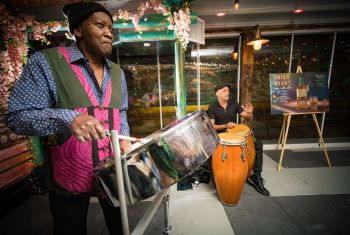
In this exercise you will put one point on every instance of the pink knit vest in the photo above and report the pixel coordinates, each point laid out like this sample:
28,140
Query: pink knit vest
72,161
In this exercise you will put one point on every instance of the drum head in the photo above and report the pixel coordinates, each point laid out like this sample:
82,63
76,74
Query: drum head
231,139
240,129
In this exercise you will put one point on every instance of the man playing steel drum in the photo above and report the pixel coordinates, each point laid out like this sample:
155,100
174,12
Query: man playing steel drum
74,94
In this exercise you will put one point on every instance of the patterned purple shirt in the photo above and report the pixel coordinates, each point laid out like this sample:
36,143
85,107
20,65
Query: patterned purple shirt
32,101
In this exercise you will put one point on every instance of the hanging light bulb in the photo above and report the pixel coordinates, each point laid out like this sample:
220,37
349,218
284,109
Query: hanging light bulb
234,54
258,40
236,5
257,45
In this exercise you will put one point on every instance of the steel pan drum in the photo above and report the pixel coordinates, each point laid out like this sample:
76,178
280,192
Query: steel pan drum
167,156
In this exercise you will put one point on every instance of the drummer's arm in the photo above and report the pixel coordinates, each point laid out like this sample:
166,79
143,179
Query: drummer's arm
247,115
247,112
125,145
218,127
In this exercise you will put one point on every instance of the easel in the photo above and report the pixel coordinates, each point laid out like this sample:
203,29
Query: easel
284,132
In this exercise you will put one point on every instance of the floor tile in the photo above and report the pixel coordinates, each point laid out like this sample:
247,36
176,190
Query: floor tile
268,163
327,180
285,183
202,217
260,215
318,214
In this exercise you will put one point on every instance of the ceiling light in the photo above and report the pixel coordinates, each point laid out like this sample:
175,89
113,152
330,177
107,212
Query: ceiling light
220,14
258,41
236,5
298,11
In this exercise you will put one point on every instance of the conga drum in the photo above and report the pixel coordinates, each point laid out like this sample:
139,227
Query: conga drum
230,167
247,133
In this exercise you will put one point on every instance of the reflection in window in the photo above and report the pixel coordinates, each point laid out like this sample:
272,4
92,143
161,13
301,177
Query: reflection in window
139,62
337,120
272,58
312,52
191,74
167,77
218,65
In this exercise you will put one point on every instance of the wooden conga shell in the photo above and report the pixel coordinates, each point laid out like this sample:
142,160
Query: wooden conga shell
247,133
230,168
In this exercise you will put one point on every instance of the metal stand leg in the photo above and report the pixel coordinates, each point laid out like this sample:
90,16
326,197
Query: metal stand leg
149,214
120,181
120,169
167,227
127,181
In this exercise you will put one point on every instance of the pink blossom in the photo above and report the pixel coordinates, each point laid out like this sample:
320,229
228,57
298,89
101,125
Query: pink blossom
55,26
44,28
29,19
155,3
142,7
123,14
20,24
135,19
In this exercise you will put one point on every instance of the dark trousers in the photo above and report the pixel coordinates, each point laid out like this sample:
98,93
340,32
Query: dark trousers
70,214
259,157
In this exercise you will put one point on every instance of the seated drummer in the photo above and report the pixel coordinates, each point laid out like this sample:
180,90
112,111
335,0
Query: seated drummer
222,115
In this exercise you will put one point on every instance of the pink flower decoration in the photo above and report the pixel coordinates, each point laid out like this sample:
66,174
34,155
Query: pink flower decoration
15,37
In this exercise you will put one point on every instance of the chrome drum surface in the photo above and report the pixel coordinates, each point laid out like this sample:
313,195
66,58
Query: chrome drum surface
167,156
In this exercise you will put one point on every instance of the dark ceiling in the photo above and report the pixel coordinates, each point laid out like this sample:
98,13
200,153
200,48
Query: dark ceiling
252,12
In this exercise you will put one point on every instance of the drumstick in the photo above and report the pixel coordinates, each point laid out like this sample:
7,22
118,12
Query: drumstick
124,137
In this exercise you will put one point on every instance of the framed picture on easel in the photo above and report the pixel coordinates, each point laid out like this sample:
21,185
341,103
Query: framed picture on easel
299,92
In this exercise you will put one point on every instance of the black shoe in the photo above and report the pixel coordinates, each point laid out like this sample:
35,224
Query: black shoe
257,183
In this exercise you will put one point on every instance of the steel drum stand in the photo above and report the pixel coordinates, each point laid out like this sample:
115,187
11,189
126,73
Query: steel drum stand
120,170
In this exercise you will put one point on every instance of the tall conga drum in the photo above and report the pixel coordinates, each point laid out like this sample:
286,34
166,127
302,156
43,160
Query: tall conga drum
247,133
230,167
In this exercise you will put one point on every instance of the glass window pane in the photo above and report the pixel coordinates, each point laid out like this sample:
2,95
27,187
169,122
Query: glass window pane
191,76
167,74
139,62
312,52
271,58
337,119
218,65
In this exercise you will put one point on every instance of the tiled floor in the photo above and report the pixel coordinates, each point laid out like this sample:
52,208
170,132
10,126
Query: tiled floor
306,198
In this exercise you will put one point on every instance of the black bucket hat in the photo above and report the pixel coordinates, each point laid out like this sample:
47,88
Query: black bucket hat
220,86
79,11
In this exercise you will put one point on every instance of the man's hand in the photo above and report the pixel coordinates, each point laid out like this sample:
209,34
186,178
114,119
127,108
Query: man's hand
230,125
86,128
247,113
125,146
248,108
